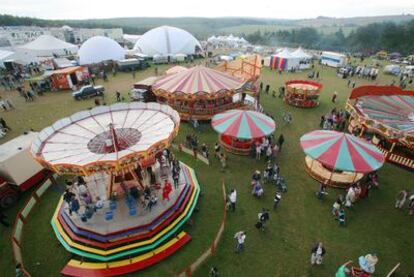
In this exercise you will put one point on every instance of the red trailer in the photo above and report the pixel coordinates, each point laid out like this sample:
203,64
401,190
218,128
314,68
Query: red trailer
69,77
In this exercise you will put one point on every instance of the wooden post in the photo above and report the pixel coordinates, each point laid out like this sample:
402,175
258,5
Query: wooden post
392,147
330,178
111,183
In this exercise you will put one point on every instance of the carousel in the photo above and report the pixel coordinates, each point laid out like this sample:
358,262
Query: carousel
385,114
339,159
200,92
302,93
123,215
239,130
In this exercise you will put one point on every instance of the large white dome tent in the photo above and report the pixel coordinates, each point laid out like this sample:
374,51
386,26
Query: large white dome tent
98,49
167,40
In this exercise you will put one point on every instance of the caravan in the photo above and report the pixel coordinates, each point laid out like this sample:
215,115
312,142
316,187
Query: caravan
333,59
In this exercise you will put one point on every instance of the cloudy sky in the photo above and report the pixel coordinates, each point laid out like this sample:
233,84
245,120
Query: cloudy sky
81,9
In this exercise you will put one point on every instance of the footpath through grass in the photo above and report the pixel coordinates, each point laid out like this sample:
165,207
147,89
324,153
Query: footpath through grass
300,221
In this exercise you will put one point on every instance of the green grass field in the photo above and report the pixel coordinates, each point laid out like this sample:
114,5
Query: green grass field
301,220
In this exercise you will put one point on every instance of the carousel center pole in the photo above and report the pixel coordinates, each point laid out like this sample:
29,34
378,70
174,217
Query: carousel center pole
116,148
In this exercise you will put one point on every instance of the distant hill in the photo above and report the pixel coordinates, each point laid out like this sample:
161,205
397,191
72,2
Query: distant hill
352,21
204,27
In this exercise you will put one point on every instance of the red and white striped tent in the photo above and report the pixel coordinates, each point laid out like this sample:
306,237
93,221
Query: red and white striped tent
198,81
284,60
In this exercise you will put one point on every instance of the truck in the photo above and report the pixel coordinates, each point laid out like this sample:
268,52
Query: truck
88,91
19,171
131,64
333,59
142,90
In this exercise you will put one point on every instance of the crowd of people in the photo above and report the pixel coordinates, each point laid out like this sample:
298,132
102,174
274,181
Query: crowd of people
267,147
81,201
334,120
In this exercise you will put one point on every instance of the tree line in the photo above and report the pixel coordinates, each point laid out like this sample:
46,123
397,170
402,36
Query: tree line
367,39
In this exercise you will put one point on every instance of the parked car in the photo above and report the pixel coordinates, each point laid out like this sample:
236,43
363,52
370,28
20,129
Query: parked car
88,91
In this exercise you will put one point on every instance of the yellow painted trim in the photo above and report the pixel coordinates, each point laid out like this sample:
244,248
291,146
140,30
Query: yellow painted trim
125,247
89,265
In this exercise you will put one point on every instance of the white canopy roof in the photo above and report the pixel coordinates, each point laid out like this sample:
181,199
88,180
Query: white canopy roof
5,55
299,53
47,46
167,40
98,49
131,38
285,54
19,57
85,138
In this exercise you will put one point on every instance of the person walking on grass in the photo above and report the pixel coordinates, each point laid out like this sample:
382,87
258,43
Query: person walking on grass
267,89
258,150
276,200
217,150
263,217
400,199
240,238
334,96
118,96
317,253
223,161
233,200
214,272
280,142
4,124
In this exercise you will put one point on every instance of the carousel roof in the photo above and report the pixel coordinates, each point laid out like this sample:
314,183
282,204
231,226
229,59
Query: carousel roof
198,80
175,69
243,124
106,136
342,151
395,111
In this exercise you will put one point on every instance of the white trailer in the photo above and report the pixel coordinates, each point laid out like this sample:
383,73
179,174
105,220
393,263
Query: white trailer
333,59
19,171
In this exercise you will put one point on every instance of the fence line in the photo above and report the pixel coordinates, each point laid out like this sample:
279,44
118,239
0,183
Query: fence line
21,219
196,154
212,249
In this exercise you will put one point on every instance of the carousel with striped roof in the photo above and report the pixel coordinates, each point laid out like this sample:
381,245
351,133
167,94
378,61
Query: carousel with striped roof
121,214
240,130
339,159
201,92
385,114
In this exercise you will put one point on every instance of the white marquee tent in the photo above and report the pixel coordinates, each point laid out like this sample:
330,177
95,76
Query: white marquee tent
167,40
304,58
4,56
98,49
299,53
18,57
284,60
47,46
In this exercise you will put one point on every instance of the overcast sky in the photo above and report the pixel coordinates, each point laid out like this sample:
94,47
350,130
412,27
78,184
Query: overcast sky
294,9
